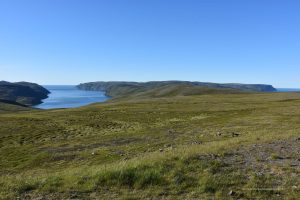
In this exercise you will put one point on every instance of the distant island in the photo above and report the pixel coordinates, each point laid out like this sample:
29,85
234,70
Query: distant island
22,93
119,89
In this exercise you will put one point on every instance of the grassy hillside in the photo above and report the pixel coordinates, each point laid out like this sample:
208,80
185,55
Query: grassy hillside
11,106
165,91
177,90
122,89
217,146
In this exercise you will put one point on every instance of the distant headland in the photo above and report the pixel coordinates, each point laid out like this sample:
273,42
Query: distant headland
119,89
24,93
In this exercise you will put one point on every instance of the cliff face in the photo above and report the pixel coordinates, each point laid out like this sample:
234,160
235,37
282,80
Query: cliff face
117,89
23,92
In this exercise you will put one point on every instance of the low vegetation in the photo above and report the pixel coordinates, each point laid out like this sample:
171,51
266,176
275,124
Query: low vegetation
11,106
209,146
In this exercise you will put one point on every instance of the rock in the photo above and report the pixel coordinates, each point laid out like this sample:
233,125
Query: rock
73,196
233,134
197,142
232,193
213,156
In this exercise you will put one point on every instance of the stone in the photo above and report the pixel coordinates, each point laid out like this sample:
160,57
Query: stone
232,193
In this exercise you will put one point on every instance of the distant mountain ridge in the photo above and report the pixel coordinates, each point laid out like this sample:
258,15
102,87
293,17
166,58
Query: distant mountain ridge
167,88
22,92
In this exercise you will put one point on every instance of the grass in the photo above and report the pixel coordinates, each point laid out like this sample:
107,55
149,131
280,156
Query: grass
7,106
163,148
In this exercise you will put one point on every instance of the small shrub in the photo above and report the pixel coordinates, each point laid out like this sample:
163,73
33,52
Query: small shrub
27,186
208,184
82,180
179,177
261,185
221,182
131,177
149,178
216,166
275,156
53,184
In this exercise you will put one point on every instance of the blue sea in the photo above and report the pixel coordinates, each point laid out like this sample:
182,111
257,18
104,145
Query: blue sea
68,96
288,89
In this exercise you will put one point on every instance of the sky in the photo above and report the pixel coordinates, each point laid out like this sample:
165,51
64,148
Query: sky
224,41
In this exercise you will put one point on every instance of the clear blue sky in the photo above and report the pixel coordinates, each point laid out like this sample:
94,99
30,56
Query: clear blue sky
73,41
